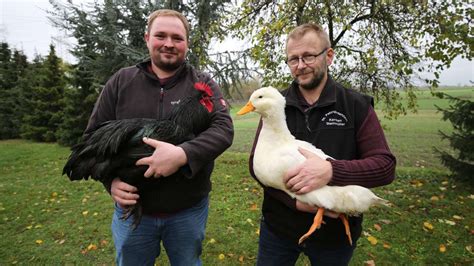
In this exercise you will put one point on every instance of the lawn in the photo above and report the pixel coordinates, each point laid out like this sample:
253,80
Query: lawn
46,219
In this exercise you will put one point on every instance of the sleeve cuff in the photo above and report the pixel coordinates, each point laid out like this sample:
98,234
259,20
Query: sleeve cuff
337,168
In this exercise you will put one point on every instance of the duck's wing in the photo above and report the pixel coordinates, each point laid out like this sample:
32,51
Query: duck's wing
310,147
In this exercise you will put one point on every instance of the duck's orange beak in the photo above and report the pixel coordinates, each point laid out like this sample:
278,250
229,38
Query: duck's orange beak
246,109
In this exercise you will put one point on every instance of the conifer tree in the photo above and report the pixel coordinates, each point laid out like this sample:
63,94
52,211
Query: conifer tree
461,116
5,87
45,103
12,69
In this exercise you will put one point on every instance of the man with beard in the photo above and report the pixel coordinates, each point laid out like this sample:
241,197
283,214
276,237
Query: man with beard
175,210
341,122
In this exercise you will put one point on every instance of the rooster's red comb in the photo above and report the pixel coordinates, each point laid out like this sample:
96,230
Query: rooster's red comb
203,87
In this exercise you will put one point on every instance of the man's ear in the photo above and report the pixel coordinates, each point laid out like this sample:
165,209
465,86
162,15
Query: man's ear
329,56
146,36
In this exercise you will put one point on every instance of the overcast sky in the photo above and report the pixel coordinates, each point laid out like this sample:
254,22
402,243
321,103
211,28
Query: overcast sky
24,26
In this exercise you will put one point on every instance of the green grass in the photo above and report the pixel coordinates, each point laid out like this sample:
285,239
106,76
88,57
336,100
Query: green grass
46,219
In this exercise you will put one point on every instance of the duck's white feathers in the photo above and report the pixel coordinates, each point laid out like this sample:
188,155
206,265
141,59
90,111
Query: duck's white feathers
277,151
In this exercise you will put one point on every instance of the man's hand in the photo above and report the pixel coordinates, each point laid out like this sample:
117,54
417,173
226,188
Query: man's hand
123,193
308,176
301,206
165,160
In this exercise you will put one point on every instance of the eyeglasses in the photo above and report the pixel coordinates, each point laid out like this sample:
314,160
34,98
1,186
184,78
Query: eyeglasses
307,59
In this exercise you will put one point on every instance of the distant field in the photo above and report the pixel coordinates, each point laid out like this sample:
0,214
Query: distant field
426,101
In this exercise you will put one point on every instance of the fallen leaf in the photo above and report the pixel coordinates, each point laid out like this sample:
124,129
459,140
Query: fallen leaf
442,248
434,198
85,213
241,259
369,263
377,227
469,249
416,183
253,207
457,217
250,221
257,232
39,241
386,221
61,241
444,182
428,226
443,221
54,194
92,247
386,245
450,222
211,241
372,240
221,256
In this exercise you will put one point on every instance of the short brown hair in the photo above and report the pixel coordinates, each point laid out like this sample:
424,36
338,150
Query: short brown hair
169,13
302,29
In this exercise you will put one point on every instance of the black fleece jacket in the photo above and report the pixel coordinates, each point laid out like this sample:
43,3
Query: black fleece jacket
135,92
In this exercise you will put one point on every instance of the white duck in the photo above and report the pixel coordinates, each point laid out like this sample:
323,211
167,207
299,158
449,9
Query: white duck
277,151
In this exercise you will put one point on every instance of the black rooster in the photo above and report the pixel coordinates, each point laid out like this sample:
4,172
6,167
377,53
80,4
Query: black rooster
112,149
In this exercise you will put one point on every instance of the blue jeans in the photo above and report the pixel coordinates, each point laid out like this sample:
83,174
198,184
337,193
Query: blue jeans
182,235
273,250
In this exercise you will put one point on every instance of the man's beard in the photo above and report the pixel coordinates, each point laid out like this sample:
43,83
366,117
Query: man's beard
314,83
167,66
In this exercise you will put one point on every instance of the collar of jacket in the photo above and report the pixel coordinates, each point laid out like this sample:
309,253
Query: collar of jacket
177,76
327,97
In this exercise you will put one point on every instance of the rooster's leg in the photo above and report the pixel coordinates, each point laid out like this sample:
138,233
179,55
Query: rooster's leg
318,218
346,226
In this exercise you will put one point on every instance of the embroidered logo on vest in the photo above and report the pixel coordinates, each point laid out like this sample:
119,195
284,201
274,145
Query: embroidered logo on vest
334,118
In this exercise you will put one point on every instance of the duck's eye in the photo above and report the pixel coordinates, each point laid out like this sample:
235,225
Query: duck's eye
260,97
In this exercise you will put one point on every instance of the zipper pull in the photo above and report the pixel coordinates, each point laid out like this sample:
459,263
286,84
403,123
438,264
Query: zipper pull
306,120
160,110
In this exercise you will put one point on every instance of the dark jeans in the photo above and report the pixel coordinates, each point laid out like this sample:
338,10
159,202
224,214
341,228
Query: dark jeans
182,235
273,251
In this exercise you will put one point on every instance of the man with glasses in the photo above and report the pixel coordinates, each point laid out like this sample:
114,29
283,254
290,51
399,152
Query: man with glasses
341,122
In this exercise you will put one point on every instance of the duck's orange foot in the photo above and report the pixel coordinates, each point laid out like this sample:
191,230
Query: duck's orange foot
345,221
318,219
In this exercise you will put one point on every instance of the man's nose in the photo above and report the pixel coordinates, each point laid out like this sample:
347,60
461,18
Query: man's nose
301,64
168,42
